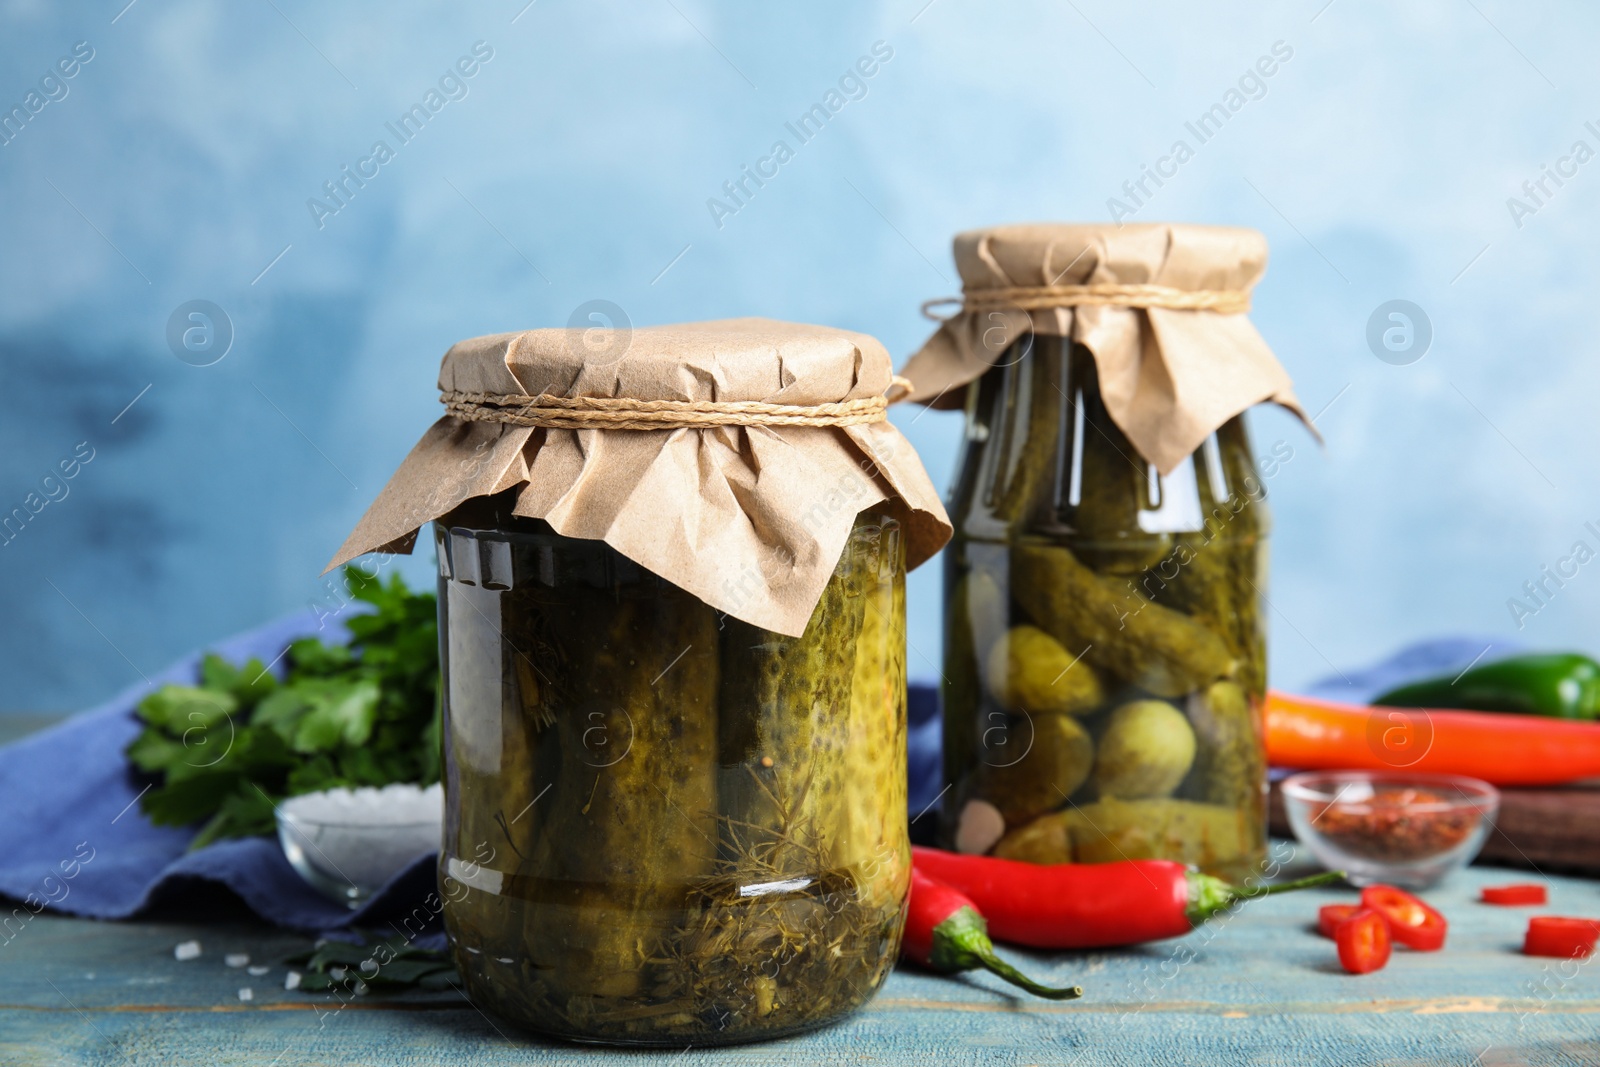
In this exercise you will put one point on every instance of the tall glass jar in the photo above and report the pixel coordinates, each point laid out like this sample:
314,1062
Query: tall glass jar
665,826
1104,653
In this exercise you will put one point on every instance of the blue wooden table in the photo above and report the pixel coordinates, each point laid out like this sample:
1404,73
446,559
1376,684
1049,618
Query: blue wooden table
1258,986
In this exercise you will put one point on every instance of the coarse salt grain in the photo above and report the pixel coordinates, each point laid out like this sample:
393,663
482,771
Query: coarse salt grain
258,971
247,993
393,805
236,959
186,950
358,839
292,980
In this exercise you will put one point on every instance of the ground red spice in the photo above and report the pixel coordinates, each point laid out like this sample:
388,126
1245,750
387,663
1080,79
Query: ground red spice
1387,826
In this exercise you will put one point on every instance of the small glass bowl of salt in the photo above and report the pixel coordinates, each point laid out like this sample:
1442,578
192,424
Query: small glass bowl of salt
348,843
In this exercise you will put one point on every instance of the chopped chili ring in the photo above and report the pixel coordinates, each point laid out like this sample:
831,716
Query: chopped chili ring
1511,895
1411,922
1550,935
1363,941
1329,916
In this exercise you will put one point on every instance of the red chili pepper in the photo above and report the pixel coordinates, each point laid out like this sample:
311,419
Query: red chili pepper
1329,916
1363,941
1549,935
1411,922
1510,895
945,932
1090,905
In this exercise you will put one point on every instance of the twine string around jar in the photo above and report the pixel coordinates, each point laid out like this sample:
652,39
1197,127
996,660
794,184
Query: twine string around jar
1039,297
625,413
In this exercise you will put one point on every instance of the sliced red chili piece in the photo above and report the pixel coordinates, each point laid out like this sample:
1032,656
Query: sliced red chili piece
1411,922
1522,893
1550,935
1329,916
1363,941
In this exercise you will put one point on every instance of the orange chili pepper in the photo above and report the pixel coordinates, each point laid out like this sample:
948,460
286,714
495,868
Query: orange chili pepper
1502,749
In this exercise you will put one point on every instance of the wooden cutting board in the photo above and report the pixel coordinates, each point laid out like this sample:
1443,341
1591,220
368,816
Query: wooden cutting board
1549,830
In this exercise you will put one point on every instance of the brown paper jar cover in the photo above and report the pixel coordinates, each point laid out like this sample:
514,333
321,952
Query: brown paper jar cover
750,519
1169,376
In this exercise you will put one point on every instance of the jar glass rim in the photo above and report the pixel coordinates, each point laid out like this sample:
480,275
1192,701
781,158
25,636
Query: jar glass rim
1342,789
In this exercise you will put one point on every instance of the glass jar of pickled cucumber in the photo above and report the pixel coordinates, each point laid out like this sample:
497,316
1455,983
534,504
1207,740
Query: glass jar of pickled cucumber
1104,654
666,826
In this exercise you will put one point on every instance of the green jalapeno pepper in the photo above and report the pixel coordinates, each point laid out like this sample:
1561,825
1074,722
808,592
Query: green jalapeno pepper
1561,685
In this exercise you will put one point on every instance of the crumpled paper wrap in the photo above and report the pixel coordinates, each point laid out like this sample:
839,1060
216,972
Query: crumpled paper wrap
1169,377
750,519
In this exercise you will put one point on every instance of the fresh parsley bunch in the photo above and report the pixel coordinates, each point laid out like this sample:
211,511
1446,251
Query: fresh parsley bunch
363,714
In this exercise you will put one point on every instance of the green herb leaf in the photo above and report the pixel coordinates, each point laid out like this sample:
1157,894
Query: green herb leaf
225,751
190,799
282,711
243,813
154,751
311,658
180,708
341,713
381,963
403,972
246,684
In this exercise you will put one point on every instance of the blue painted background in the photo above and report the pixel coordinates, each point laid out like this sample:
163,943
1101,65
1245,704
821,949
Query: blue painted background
576,164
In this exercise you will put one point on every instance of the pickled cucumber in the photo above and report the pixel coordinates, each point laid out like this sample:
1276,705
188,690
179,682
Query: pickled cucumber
1230,761
1215,838
1214,581
784,730
1158,649
1033,470
1114,489
1030,672
975,619
1211,836
812,857
1145,751
1058,758
1046,839
497,714
875,786
630,818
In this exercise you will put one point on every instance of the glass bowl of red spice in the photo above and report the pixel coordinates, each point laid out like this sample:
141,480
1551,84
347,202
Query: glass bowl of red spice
1386,826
